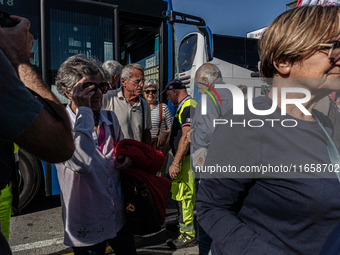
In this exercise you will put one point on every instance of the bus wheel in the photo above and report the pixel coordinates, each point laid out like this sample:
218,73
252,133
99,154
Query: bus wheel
31,177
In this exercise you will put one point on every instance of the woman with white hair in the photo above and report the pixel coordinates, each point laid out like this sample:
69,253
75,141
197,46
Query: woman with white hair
91,197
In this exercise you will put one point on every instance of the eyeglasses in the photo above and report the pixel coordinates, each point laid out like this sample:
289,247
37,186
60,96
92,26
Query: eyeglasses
334,52
138,81
103,86
153,91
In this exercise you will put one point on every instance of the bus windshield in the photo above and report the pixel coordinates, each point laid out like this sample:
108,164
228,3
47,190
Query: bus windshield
239,51
187,52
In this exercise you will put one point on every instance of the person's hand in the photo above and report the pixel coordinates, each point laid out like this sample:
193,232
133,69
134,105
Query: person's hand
162,139
173,171
127,162
16,42
82,97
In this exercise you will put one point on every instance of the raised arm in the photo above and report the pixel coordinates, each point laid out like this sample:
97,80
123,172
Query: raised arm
183,145
49,136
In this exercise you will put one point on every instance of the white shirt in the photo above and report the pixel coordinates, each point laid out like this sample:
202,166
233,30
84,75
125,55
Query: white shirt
91,197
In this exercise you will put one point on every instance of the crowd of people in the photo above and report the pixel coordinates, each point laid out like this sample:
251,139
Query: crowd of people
237,212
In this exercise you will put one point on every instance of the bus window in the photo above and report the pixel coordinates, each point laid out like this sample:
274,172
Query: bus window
77,28
77,33
230,49
237,50
252,55
187,53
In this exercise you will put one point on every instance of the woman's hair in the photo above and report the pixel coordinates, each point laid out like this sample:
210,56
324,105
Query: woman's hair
126,72
75,68
151,82
296,34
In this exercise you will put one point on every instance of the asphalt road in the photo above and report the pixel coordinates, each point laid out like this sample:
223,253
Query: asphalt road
39,231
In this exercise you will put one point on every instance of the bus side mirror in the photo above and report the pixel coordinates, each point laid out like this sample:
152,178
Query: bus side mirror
206,32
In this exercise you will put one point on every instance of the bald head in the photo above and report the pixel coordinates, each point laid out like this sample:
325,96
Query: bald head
208,73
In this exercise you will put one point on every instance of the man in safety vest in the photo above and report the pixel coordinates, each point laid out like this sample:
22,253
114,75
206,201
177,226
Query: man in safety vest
183,178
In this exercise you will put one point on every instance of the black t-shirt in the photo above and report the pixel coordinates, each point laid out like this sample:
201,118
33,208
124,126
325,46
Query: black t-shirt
185,116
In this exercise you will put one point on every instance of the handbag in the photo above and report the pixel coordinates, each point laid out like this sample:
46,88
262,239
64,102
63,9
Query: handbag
141,213
154,142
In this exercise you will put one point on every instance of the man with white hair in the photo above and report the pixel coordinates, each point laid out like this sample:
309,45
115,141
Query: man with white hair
202,128
133,111
202,125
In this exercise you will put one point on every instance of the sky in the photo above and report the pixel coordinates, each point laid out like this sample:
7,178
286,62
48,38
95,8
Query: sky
227,17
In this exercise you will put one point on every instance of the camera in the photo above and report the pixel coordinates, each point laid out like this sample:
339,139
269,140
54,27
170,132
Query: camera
6,21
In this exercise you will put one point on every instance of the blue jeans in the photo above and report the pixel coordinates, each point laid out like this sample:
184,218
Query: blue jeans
122,244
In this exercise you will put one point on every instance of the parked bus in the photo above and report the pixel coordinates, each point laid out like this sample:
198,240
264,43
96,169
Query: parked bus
128,31
236,57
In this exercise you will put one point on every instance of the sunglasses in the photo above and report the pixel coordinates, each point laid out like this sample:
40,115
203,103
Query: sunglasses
152,91
334,50
103,86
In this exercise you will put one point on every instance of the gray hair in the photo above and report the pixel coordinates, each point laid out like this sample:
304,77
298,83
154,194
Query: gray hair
209,71
75,68
112,68
151,82
126,72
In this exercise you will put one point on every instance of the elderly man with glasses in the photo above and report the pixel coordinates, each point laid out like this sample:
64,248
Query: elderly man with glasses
133,112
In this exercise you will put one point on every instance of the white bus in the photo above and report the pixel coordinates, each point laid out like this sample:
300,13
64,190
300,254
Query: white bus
236,57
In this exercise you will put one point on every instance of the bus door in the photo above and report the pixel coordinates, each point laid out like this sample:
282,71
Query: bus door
141,43
69,28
